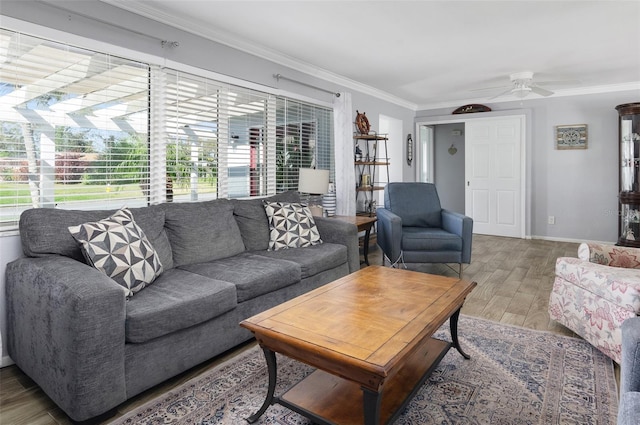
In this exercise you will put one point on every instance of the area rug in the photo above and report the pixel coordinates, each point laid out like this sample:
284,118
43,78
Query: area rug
515,376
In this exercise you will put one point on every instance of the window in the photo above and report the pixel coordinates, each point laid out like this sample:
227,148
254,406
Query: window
304,134
73,127
87,130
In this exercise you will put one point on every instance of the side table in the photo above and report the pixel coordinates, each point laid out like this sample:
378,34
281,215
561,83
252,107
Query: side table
364,224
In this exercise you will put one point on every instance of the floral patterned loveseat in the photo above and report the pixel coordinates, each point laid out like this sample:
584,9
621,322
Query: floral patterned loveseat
593,294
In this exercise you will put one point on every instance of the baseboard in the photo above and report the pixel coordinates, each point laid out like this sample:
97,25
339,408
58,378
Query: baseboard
6,361
553,239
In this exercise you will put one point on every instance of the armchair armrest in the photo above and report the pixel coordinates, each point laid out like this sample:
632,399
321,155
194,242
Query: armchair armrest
610,255
66,330
340,232
389,234
630,365
462,226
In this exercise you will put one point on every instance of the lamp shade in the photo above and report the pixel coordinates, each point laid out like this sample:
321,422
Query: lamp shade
313,181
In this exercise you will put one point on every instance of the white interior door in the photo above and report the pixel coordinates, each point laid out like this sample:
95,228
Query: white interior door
494,194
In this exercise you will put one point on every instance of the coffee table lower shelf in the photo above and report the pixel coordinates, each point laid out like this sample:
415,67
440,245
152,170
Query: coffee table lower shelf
328,399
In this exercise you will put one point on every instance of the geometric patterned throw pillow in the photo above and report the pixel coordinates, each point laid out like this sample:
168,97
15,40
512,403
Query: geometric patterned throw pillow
118,247
291,225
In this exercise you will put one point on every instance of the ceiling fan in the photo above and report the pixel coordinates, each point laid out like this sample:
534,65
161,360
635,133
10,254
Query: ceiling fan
522,85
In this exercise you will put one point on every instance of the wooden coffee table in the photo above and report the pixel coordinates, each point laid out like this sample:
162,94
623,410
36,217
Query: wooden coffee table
368,334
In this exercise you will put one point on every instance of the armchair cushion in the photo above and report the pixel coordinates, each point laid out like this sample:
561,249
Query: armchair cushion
417,204
429,239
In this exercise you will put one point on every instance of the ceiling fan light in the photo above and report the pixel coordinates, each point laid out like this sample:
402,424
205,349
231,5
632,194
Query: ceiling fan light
521,92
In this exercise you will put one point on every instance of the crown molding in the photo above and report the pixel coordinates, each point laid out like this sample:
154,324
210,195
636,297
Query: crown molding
257,50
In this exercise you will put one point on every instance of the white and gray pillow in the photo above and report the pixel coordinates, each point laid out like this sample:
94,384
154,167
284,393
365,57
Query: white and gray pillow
291,225
118,247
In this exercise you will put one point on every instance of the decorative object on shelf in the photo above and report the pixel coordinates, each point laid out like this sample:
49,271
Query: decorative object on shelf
362,123
472,108
629,178
409,149
358,154
452,150
571,136
365,180
329,201
315,183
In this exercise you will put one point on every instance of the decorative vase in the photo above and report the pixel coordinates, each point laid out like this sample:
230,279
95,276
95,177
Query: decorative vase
329,201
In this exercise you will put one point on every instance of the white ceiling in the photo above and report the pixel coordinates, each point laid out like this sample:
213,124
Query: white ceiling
426,53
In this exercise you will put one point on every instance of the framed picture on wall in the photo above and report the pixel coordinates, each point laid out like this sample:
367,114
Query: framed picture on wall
571,136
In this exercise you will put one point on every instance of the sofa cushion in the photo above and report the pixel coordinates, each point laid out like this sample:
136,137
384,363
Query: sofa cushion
41,235
291,225
177,300
202,231
313,259
118,247
251,274
252,219
429,239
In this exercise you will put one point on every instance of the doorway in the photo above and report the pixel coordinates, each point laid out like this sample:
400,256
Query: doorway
496,209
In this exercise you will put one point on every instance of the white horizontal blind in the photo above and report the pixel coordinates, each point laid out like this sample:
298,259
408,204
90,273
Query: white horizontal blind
75,124
216,138
73,127
304,139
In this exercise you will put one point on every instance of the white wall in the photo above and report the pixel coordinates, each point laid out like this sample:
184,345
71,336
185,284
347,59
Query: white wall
193,51
578,187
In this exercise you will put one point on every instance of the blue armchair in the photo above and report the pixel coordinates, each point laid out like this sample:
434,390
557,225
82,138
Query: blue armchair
413,228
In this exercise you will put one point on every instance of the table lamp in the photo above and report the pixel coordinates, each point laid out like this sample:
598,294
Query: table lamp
315,183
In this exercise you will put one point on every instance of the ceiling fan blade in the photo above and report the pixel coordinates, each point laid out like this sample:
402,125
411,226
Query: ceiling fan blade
501,94
539,90
491,88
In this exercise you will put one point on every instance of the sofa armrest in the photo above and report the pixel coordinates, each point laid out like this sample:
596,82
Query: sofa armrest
389,234
462,226
341,232
66,330
630,365
610,255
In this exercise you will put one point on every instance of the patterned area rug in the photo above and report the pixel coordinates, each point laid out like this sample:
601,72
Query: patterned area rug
515,376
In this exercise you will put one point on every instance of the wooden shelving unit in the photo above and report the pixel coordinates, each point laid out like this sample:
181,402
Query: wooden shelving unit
368,167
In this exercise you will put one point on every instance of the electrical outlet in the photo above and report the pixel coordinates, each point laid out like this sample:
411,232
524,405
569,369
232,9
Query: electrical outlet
551,220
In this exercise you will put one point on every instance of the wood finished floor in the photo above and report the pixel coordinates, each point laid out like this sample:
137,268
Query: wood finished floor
514,277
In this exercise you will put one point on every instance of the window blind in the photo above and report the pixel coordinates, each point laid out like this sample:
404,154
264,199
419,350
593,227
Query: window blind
73,127
304,139
87,130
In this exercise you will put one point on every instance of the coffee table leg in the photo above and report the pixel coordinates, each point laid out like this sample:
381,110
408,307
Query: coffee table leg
270,356
371,400
453,324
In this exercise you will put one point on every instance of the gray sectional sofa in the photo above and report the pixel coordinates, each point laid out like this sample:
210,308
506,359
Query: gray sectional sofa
90,348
